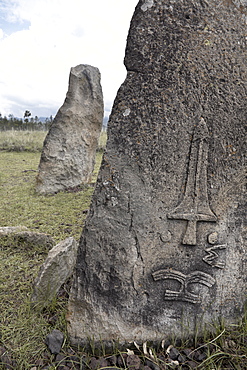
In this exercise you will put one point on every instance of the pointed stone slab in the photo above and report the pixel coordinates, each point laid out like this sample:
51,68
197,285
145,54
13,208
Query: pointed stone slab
68,155
135,279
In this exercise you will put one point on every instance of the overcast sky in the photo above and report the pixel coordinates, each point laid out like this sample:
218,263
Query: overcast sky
40,40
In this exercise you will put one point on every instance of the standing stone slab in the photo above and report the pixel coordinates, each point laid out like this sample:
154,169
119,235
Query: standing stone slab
68,154
163,250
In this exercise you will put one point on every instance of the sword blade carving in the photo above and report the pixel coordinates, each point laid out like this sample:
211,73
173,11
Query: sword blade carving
195,205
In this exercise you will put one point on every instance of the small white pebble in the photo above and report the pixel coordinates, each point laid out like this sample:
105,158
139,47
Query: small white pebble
126,112
147,4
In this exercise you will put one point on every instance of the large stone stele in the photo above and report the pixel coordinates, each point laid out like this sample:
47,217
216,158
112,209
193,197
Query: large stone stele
162,252
68,154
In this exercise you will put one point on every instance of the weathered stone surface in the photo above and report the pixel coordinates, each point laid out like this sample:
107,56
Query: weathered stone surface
162,251
56,269
22,237
54,341
68,154
7,230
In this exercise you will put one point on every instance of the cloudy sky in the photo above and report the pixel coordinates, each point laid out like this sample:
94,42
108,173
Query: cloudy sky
40,40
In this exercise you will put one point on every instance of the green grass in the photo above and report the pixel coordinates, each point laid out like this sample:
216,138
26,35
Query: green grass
31,140
60,215
228,346
22,328
102,140
13,140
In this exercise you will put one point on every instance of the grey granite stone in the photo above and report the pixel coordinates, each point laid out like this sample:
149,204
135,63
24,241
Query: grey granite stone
162,251
68,154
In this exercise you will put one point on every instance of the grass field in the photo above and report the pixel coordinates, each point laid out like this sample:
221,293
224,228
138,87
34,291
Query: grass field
59,215
31,141
23,327
18,141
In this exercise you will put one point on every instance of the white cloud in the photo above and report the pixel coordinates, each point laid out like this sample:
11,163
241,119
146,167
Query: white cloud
35,63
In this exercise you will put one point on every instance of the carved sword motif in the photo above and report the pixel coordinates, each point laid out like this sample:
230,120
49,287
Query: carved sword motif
195,206
183,294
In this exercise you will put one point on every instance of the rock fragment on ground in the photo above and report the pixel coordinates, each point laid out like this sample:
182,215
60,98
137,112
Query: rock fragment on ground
54,341
20,236
56,269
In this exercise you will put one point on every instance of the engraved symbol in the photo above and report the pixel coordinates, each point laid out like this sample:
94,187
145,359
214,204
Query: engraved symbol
183,294
213,238
195,206
211,258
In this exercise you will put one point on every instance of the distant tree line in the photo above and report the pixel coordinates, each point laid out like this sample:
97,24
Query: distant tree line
26,123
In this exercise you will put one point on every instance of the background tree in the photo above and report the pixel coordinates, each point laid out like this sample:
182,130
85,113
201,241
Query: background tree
26,115
48,122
